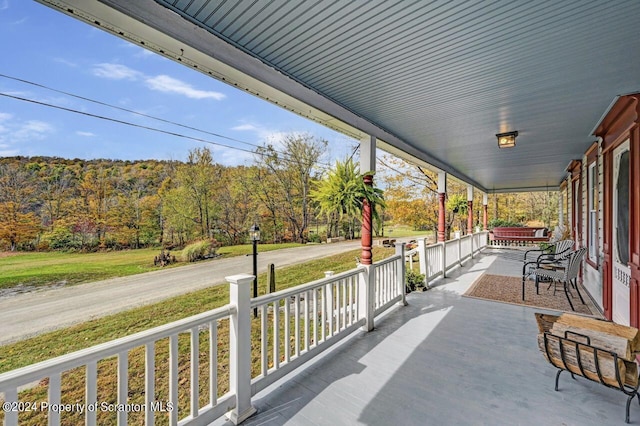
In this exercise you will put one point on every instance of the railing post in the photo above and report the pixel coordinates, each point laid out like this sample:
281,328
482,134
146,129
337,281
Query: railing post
402,273
422,255
459,250
240,347
444,258
367,294
471,239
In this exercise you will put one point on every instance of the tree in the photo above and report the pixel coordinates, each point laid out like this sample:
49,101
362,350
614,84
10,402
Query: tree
293,173
341,193
18,223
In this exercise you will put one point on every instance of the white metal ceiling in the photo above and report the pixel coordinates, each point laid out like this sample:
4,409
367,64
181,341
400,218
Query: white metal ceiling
434,79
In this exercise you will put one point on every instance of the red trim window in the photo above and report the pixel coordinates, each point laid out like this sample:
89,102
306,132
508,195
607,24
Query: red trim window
592,206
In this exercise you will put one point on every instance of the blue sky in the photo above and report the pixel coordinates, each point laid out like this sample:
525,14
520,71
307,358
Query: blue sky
46,47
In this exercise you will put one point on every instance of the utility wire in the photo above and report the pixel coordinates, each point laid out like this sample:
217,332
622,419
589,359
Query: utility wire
284,154
126,110
153,129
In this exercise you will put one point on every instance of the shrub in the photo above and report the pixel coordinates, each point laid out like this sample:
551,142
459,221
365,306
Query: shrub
199,250
414,280
493,223
314,238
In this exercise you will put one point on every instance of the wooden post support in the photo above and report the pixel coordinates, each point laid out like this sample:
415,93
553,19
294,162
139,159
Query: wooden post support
271,278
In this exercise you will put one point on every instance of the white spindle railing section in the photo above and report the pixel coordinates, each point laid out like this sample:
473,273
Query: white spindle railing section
438,259
387,291
302,320
89,360
452,254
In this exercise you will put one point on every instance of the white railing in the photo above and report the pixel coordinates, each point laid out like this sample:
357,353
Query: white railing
161,364
389,283
180,360
438,259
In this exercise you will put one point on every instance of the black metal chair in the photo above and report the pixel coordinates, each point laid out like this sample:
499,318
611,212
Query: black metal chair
564,271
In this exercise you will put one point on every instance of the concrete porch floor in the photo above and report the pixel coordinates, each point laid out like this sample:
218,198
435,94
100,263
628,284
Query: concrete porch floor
442,360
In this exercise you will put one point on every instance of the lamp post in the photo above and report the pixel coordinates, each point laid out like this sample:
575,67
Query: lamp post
254,234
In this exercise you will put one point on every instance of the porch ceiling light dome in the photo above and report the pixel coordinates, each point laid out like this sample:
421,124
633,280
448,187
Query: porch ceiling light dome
507,140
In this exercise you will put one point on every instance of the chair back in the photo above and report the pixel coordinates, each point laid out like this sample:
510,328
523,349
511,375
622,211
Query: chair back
563,249
573,263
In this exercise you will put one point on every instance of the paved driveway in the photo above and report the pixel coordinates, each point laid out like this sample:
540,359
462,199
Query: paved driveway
28,314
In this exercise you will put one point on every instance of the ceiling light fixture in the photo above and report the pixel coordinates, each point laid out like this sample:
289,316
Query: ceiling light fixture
507,140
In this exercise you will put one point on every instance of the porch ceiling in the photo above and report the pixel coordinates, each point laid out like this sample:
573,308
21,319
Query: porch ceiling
432,80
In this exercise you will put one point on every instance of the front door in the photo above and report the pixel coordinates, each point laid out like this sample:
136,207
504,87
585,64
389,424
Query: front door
621,273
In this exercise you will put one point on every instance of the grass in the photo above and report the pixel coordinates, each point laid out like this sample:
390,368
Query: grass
400,231
51,268
101,330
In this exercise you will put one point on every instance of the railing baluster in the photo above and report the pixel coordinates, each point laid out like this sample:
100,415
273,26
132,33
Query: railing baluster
123,385
213,362
315,317
329,306
356,299
54,399
173,378
343,283
11,416
307,320
276,334
287,331
323,315
351,304
343,291
195,369
297,325
264,340
149,382
91,386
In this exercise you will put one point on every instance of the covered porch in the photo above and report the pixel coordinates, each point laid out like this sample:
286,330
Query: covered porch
444,358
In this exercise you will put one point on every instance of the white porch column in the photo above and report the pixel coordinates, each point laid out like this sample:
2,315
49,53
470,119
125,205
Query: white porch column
368,167
469,209
401,274
560,212
240,347
485,211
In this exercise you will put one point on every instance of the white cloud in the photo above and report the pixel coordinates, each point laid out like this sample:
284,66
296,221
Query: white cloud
164,83
4,116
4,4
32,129
161,83
65,62
116,72
245,127
87,134
14,133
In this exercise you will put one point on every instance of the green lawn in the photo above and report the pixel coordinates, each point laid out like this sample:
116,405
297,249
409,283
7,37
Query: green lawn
50,268
104,329
400,231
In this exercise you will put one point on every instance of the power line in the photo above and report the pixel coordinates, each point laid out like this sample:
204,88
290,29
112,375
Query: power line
126,110
283,154
127,123
153,129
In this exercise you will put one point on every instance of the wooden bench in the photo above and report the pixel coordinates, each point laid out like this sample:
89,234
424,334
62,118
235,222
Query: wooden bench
518,235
